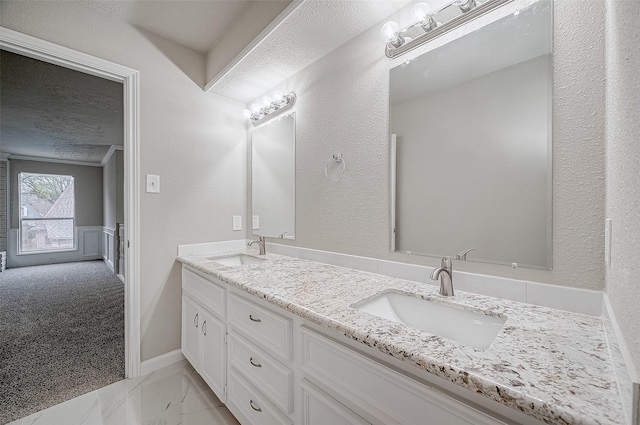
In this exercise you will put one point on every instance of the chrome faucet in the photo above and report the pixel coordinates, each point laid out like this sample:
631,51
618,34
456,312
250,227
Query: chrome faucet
261,243
463,255
445,274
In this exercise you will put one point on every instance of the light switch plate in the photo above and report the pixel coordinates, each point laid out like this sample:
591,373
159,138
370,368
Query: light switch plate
607,241
256,222
237,222
153,183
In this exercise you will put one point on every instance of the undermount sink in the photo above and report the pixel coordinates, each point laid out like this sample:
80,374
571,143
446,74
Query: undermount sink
474,329
236,260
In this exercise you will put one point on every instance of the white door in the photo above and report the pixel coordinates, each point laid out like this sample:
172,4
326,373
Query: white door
213,353
190,331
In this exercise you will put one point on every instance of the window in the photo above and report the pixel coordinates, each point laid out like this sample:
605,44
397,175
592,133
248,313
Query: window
47,212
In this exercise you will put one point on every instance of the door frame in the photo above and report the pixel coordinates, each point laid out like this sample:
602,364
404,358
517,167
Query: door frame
45,51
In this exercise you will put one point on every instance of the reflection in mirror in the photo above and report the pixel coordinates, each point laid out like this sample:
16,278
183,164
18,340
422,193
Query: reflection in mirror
273,172
471,144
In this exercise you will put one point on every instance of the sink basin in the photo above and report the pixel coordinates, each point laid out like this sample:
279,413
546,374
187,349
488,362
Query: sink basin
236,260
474,329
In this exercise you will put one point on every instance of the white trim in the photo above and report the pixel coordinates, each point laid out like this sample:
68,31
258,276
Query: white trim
56,160
264,34
35,48
161,361
110,152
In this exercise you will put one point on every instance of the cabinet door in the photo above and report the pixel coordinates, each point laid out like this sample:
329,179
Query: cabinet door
213,353
318,408
190,331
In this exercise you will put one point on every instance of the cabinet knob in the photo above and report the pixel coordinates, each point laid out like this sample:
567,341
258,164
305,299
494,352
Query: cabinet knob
257,409
253,363
253,319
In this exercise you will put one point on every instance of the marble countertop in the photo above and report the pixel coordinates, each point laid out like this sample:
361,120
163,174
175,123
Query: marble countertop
549,364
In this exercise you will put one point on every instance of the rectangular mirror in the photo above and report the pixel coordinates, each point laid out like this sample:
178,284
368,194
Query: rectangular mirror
471,144
273,177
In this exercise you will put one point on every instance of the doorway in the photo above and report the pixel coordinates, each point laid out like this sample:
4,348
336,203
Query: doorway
32,47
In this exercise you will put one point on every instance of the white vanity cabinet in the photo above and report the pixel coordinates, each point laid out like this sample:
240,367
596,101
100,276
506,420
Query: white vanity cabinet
280,369
260,348
204,334
380,394
318,408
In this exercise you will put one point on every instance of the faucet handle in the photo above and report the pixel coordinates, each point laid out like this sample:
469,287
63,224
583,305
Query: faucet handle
463,254
446,263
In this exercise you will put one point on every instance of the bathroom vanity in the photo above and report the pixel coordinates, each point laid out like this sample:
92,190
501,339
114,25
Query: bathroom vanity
288,341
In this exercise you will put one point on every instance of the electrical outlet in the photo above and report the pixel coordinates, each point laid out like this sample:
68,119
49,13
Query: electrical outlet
256,222
237,222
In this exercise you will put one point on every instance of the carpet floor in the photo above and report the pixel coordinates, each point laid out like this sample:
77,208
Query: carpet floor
61,334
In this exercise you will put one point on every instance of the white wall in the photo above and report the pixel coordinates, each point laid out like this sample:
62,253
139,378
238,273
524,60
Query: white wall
109,193
472,167
623,167
195,141
342,106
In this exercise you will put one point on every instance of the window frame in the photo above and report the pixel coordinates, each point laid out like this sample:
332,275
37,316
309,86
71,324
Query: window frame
21,218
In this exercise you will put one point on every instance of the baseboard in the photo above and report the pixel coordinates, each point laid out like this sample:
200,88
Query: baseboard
120,277
626,374
161,361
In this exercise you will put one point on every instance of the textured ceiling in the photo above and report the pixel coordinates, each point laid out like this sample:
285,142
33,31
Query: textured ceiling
194,24
48,111
312,30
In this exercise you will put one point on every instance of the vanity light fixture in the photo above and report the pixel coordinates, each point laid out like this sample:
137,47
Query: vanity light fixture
399,41
270,108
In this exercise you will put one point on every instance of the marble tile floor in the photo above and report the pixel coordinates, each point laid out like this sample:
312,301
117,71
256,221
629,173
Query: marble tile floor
173,395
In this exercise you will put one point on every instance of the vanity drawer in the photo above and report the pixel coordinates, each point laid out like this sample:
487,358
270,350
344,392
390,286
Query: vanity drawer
267,329
209,294
377,393
249,405
263,371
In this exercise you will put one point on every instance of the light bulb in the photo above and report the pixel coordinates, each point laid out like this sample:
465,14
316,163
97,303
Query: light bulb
266,101
464,5
389,31
246,113
277,96
420,11
255,109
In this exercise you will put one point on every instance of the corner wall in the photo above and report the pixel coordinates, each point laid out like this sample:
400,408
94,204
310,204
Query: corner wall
623,168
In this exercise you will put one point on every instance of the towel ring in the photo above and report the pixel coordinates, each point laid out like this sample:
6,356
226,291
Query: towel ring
336,158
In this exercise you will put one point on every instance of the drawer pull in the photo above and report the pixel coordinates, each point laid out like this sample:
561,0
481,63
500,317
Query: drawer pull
257,409
204,328
195,320
254,319
254,364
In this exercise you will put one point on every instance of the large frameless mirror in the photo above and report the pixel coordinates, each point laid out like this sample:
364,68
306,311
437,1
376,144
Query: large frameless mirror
470,130
273,176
